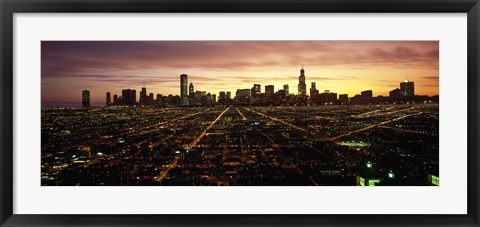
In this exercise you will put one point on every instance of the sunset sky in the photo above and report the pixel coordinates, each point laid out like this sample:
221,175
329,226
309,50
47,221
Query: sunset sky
344,67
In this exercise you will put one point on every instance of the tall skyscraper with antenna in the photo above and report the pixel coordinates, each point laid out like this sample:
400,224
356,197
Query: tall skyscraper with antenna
302,87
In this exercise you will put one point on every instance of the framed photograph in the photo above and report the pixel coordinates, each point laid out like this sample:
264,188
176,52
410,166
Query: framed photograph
239,113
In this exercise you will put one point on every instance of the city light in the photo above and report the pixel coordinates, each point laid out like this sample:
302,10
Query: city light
258,139
306,129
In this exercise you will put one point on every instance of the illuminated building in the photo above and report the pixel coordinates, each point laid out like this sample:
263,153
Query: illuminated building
433,178
183,89
389,180
108,102
407,88
285,88
86,98
368,176
302,87
269,90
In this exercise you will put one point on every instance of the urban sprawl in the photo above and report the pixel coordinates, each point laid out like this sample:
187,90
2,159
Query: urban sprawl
251,139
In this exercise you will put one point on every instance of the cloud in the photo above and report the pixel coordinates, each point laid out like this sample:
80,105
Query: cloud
66,58
436,78
229,64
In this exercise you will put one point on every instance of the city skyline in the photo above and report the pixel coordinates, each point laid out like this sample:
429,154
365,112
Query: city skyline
342,67
254,96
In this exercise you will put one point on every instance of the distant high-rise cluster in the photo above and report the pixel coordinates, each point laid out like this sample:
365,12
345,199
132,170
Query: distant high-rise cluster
254,96
129,96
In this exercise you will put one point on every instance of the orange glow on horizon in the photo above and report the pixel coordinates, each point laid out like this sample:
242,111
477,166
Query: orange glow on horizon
213,66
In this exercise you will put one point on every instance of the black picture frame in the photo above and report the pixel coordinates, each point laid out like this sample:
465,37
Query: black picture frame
9,7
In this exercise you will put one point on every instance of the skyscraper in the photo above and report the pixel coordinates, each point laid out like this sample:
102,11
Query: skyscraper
302,87
229,95
128,97
159,99
150,99
108,99
285,88
368,176
115,99
313,89
256,90
134,97
269,90
314,94
191,89
184,89
407,88
143,96
86,98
